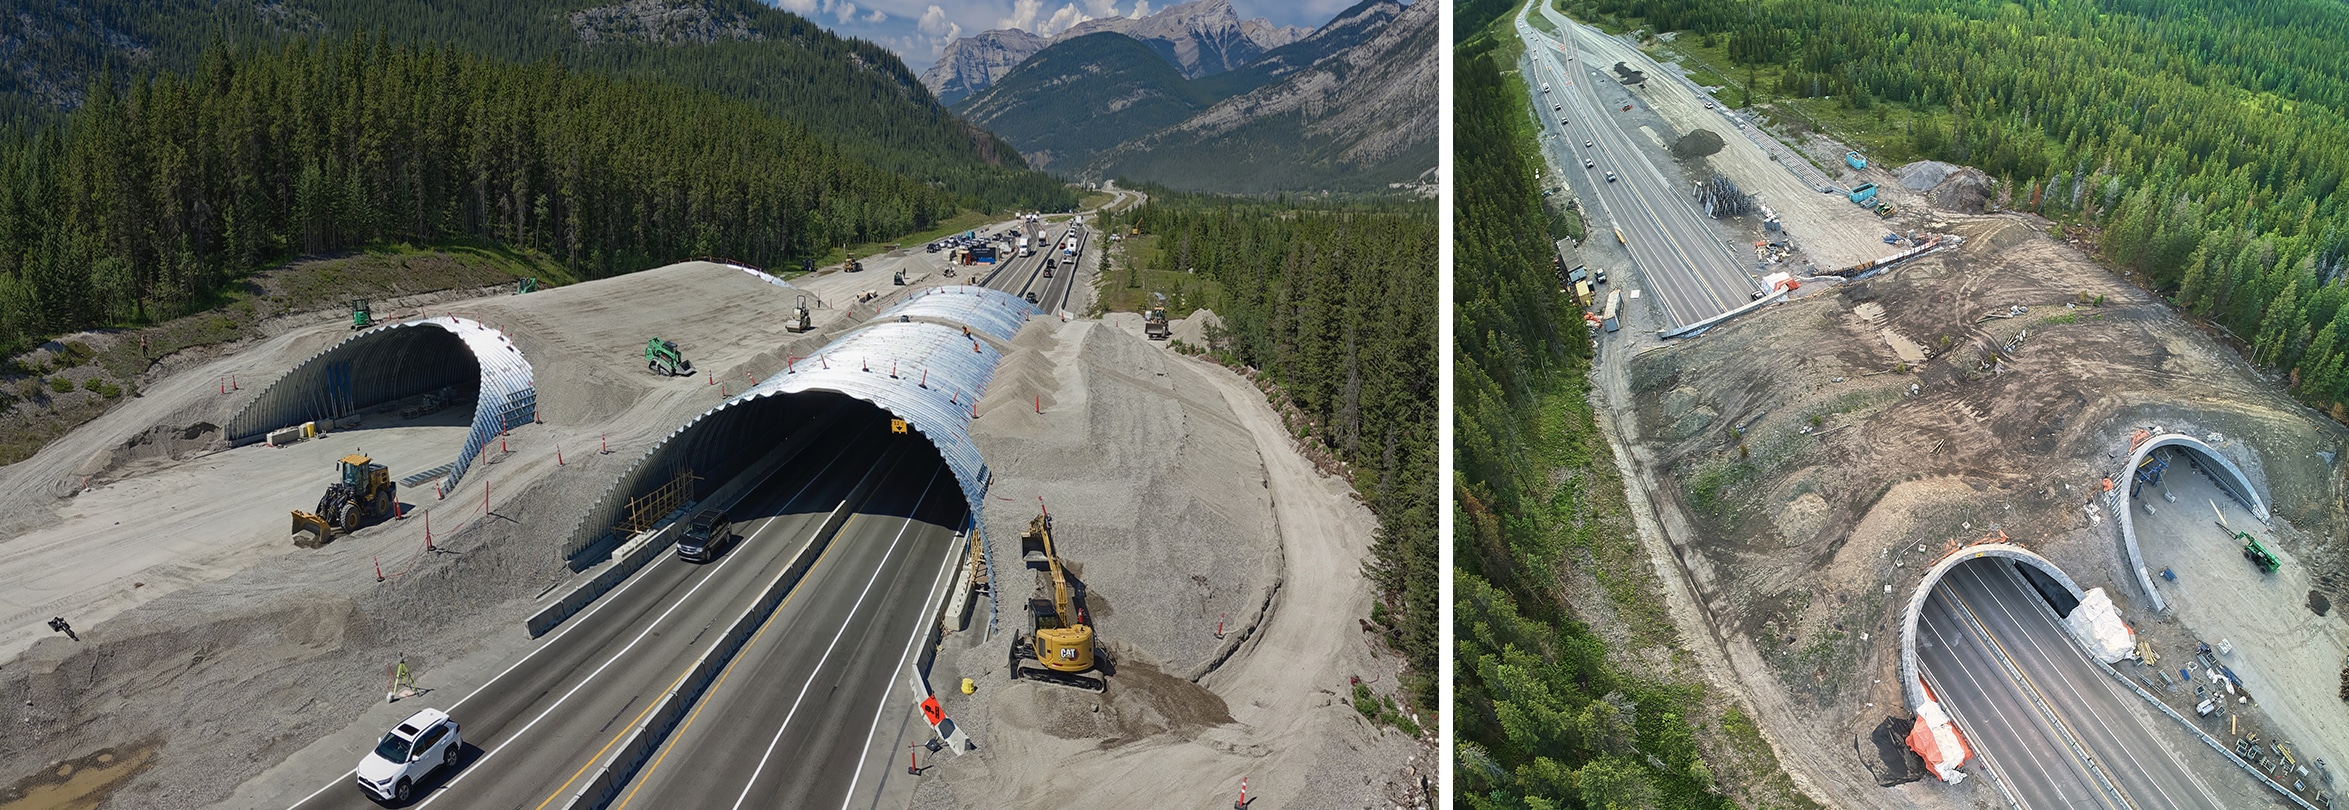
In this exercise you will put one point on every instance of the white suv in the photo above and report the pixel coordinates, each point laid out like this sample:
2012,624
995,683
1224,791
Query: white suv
425,741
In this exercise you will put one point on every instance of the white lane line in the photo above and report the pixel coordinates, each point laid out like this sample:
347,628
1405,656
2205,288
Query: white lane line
930,607
574,623
1999,711
2080,697
747,785
474,767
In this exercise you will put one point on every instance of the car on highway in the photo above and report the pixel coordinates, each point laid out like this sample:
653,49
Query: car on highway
707,535
1708,105
1587,163
1031,298
1588,144
1610,177
424,742
1563,122
1557,107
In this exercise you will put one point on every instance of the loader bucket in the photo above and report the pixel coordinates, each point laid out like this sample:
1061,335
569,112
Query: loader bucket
310,531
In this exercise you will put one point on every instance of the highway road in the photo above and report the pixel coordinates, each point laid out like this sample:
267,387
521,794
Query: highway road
1686,263
793,721
2090,731
533,730
1020,276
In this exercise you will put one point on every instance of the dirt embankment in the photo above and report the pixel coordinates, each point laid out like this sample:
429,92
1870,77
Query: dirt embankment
1894,418
63,384
1223,572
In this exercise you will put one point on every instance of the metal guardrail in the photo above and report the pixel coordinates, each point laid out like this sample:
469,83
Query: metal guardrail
2197,730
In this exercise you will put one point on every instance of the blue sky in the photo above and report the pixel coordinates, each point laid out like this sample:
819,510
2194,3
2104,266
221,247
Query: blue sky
918,29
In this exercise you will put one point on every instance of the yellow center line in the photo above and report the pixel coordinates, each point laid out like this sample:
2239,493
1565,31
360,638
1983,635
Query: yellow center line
671,745
632,724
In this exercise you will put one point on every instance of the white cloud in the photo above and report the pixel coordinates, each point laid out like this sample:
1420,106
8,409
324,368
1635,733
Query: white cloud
1023,15
801,7
1101,8
1066,18
876,15
843,12
934,23
1141,9
933,32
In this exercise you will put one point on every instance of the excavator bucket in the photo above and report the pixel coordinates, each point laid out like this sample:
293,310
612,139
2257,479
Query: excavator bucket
310,531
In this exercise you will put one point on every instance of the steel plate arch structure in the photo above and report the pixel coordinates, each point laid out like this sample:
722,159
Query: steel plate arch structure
2228,476
400,360
929,372
1912,684
994,313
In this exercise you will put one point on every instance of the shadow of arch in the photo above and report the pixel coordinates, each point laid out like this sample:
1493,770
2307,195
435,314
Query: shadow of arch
395,361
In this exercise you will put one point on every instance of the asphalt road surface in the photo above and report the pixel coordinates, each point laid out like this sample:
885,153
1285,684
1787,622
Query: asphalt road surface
533,730
792,721
1020,276
1685,262
1984,609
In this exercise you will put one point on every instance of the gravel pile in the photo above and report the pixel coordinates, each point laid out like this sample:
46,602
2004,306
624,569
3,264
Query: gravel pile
1165,520
1923,174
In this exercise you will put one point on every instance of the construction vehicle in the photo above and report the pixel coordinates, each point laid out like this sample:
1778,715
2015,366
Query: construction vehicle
2258,554
1058,648
1154,324
365,495
801,319
662,357
898,278
361,315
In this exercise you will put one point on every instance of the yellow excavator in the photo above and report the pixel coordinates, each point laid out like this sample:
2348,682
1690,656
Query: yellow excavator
365,495
1058,648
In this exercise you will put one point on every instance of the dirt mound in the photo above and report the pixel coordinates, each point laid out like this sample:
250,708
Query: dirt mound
1697,144
1965,191
1923,174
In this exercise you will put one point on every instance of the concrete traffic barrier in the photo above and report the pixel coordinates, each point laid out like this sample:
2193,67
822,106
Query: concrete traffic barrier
648,734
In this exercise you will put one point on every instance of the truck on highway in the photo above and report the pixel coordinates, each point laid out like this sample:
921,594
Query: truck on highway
1861,195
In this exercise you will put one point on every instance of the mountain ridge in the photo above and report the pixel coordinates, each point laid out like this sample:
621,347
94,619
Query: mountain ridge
1200,38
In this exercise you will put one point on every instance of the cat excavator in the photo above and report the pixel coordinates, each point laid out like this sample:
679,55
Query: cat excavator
1058,646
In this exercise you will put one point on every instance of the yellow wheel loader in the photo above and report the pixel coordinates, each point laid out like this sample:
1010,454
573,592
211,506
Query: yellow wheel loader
1058,646
364,496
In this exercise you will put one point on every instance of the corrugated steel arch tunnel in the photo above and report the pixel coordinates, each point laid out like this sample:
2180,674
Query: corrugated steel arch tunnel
396,361
926,360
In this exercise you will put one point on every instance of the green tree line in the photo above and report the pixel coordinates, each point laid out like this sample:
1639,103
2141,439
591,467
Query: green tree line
2202,137
145,202
853,93
1337,304
1541,718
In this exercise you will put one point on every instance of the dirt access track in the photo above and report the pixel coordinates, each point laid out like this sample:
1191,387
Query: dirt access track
1892,421
217,660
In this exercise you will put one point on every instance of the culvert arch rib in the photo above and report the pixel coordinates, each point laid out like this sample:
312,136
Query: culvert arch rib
394,361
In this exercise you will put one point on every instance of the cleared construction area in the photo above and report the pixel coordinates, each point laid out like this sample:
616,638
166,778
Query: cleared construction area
1990,387
1181,503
